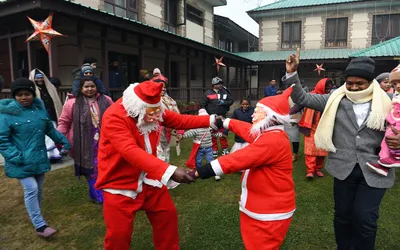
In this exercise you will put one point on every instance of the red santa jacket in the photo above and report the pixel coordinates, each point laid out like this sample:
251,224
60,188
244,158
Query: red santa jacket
122,156
267,183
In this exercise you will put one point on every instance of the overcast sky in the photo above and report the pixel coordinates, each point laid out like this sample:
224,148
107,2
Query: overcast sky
236,11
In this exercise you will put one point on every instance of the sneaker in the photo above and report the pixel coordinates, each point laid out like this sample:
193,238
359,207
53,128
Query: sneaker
309,176
215,154
319,174
377,168
217,178
389,162
294,157
225,151
48,231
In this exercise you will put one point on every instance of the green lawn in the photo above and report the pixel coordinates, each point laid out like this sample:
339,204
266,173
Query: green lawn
208,214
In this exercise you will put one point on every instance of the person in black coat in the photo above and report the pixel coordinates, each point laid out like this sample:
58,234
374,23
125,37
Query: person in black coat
218,101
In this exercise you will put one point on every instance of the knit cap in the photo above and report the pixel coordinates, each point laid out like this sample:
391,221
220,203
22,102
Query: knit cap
22,83
395,74
143,72
86,68
382,77
38,75
363,67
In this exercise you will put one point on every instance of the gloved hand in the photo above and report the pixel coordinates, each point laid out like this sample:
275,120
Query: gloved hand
64,152
221,102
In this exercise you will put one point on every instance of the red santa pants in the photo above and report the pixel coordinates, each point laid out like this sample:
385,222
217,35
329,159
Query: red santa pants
263,235
222,140
314,163
119,214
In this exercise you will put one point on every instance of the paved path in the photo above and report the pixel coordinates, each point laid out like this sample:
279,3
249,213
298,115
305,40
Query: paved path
66,162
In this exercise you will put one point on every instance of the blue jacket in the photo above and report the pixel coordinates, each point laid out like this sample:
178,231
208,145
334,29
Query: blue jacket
22,138
100,85
245,116
270,90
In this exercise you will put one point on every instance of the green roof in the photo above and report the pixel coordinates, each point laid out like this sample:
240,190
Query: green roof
317,54
285,4
389,48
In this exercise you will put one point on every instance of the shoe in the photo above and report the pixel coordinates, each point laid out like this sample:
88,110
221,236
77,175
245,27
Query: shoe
215,154
309,176
319,173
225,151
294,157
48,231
389,162
217,178
95,201
377,168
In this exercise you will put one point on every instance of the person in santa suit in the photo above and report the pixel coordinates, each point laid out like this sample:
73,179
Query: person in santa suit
267,202
130,174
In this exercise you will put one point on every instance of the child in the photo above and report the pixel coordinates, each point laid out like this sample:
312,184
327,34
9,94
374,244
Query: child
203,135
243,113
389,158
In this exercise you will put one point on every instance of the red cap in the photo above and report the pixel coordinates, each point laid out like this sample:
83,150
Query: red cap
149,92
278,103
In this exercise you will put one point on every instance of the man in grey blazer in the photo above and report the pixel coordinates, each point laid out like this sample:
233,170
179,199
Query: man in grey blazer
358,192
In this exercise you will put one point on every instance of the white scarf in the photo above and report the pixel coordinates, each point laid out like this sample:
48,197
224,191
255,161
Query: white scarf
380,108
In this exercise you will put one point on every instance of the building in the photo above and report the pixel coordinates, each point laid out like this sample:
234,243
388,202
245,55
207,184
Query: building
327,31
176,36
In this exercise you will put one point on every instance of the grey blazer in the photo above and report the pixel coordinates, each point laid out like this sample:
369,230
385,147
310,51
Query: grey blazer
354,144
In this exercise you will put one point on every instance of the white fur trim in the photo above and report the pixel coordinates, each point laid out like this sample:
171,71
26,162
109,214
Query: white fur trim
216,167
213,124
167,175
282,119
226,123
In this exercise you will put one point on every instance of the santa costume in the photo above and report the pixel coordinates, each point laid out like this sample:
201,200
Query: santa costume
267,201
129,173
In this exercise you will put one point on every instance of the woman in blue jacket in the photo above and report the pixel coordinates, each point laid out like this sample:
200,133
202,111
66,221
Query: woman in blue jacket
24,122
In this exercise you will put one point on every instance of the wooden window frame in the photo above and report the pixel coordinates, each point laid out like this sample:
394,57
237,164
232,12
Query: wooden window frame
385,34
338,40
168,25
126,7
290,44
197,18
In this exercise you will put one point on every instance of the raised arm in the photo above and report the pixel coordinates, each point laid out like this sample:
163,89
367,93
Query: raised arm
240,128
178,121
299,96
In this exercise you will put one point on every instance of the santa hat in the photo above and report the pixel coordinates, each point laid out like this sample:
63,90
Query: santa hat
395,74
140,96
203,112
279,104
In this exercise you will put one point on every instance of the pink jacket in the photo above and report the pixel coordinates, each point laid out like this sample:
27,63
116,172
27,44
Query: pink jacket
65,122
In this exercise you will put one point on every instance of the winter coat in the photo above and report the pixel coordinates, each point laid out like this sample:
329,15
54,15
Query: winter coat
244,116
100,85
65,122
217,103
22,138
270,91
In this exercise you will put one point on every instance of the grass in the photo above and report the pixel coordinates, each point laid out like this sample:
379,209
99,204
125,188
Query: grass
208,214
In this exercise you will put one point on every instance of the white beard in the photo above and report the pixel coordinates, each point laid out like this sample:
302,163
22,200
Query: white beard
259,127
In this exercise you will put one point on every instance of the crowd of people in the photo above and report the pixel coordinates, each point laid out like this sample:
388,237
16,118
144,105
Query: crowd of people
122,148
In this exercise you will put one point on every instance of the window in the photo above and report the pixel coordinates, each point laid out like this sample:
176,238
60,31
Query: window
291,35
225,44
385,27
194,15
123,8
336,32
170,15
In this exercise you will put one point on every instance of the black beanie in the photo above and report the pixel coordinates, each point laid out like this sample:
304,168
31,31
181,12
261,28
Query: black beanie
22,83
89,60
363,67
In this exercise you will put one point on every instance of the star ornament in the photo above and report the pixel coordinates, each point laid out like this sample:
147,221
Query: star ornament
43,31
319,68
218,63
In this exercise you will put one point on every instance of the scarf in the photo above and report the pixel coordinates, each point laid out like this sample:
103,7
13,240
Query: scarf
50,88
380,108
82,131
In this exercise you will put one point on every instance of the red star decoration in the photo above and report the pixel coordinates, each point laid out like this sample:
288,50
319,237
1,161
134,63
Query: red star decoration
43,31
218,63
319,68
